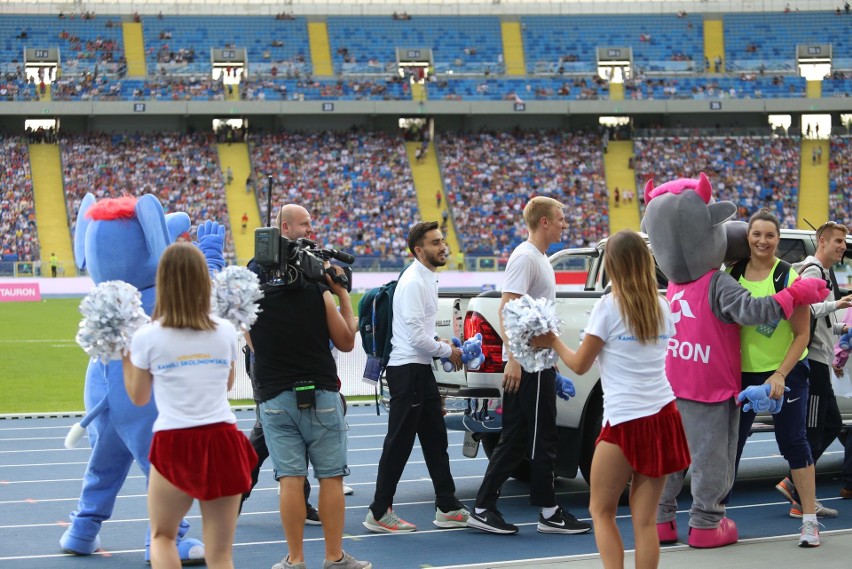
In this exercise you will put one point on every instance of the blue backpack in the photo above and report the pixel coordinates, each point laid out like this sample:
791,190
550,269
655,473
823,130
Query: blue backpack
375,320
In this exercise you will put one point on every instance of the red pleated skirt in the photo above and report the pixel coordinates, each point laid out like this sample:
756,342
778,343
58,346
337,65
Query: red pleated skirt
206,462
654,445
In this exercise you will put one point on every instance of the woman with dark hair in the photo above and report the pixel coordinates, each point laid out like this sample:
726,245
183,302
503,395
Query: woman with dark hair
775,353
187,356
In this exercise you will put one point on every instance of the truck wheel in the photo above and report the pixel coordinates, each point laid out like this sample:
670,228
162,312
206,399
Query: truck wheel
591,430
522,472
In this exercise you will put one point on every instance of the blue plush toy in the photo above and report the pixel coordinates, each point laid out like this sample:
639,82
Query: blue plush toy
758,399
845,342
123,239
471,353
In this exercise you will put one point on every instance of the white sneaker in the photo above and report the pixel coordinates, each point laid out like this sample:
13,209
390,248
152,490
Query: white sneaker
348,490
810,534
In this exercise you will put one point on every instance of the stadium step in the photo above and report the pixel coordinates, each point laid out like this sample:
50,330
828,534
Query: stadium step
51,216
814,89
714,40
813,184
620,175
134,49
239,201
320,49
426,175
418,92
616,91
513,49
47,95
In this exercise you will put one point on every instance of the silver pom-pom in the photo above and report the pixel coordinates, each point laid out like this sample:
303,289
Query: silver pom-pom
524,318
112,312
236,291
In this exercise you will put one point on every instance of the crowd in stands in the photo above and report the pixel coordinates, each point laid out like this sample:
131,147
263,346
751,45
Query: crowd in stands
18,236
85,87
489,177
752,172
840,180
182,170
356,185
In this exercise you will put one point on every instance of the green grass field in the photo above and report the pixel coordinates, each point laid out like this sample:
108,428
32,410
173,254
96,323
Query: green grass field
42,367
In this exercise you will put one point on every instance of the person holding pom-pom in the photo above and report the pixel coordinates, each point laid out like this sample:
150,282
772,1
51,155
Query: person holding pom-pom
186,356
642,438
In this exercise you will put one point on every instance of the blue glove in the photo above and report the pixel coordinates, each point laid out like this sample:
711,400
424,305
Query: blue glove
759,400
211,241
564,387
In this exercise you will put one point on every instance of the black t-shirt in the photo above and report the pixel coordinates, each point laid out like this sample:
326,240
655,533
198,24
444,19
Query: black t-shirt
291,341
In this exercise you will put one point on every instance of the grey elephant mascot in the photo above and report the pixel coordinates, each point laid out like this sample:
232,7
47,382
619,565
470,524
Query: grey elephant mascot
687,231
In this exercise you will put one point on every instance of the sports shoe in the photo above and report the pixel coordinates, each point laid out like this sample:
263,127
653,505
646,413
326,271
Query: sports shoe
810,534
348,490
285,564
389,523
821,511
846,493
348,562
561,522
491,521
787,489
312,516
452,519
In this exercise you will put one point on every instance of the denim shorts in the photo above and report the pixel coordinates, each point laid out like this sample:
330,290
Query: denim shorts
293,434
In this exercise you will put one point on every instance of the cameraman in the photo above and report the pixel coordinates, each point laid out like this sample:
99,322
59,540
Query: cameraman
291,344
294,222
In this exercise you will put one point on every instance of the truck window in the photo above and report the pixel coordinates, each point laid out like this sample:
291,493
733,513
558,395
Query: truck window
791,250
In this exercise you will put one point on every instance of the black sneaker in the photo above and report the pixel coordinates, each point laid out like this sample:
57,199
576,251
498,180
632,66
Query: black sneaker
491,521
561,522
312,518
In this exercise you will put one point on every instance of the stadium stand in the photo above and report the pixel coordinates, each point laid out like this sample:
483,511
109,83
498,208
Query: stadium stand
663,42
840,180
17,210
180,169
769,40
753,172
533,88
356,185
746,86
489,177
84,43
470,44
182,44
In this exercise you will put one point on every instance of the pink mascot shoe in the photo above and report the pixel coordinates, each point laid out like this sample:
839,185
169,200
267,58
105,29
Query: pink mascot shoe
725,534
667,531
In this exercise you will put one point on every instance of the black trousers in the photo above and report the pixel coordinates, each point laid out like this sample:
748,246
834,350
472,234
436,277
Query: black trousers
824,421
529,430
415,411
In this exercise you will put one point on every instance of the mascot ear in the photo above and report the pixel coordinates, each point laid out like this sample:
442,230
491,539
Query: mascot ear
152,218
177,223
649,187
720,212
80,230
703,189
737,234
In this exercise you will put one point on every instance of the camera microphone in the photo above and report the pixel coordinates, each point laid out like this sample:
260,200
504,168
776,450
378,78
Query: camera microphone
341,256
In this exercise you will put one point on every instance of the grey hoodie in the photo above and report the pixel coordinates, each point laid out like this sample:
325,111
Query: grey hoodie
821,348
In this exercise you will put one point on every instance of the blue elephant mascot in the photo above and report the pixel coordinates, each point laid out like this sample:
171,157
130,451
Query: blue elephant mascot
123,239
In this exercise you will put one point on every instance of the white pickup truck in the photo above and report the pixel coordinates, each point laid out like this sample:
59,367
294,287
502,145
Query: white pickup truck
473,397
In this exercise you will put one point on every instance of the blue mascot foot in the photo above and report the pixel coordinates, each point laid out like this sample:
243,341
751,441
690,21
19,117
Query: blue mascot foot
79,546
191,552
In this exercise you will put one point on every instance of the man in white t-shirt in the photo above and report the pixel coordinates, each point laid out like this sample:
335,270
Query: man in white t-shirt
529,399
